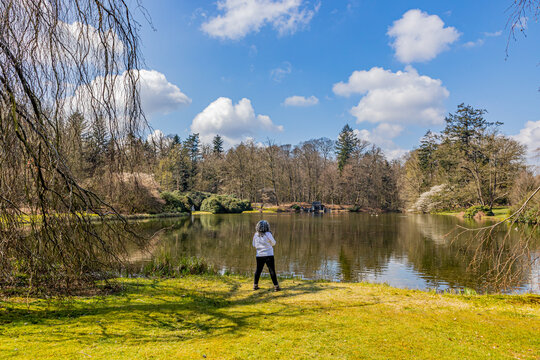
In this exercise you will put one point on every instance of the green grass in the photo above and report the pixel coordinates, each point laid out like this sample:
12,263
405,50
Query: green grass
264,211
220,317
500,213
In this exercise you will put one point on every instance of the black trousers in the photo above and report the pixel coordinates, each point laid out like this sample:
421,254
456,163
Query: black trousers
269,261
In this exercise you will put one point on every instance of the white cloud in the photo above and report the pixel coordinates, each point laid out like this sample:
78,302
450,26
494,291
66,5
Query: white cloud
471,44
383,136
297,100
481,41
279,73
157,94
401,97
419,36
493,34
530,136
155,137
241,17
233,122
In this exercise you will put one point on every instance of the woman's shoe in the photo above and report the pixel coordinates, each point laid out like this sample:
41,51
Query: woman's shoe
255,287
277,288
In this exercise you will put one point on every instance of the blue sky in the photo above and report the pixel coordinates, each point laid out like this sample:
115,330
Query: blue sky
209,56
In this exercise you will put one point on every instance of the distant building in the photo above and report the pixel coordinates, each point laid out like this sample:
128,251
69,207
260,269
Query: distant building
316,207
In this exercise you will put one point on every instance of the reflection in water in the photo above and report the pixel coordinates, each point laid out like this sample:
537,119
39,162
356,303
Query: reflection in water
402,250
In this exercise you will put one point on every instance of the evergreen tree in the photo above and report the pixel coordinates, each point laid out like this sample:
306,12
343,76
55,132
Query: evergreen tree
191,146
345,146
218,145
96,144
426,157
467,126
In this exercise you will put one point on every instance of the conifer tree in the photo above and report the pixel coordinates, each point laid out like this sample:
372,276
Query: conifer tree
345,146
218,145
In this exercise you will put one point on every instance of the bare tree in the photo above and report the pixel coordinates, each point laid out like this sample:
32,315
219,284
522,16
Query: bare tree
521,12
58,57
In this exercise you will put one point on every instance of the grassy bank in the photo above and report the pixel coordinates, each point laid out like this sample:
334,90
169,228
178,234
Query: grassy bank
500,213
220,317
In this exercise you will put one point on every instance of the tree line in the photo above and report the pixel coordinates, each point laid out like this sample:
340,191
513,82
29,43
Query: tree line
347,171
469,163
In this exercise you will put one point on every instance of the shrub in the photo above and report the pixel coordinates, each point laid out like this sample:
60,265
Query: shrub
197,198
439,198
530,215
165,265
220,204
176,202
475,209
213,205
355,208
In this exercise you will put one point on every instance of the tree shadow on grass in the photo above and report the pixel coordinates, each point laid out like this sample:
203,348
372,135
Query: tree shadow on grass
162,312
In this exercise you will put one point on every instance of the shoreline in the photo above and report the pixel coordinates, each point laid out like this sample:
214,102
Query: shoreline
500,213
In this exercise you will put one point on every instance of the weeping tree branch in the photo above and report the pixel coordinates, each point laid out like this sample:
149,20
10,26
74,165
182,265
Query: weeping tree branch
57,58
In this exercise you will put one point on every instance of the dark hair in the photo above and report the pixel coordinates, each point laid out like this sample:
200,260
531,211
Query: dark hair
262,227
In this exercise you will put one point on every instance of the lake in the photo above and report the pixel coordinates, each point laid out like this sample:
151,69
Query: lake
402,250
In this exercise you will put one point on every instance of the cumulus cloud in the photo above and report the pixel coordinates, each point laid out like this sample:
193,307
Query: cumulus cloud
383,136
530,136
297,100
241,17
400,97
157,94
234,123
418,36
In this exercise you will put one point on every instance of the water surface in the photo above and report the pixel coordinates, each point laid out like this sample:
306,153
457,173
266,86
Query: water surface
407,251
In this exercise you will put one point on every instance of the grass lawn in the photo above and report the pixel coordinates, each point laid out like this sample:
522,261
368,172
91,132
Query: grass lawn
500,213
220,317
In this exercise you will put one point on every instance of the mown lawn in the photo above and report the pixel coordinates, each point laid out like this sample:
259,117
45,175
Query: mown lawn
499,213
220,317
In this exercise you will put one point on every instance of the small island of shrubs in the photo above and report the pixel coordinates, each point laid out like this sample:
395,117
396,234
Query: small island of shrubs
178,202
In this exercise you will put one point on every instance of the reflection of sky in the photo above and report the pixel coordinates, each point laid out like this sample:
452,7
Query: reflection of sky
399,273
534,281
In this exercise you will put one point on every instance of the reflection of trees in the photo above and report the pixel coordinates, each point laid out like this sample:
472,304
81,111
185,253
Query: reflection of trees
345,246
438,255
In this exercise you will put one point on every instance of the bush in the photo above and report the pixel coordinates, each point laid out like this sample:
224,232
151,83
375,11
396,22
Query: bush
221,204
165,265
355,208
197,198
475,209
439,198
213,205
176,202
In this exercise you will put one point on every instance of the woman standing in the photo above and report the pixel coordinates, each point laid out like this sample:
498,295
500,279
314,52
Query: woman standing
263,241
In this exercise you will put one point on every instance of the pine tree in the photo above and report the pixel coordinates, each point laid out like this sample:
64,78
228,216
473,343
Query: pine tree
218,145
97,144
191,146
426,157
345,146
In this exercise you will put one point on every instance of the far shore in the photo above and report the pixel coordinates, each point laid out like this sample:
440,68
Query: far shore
500,213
